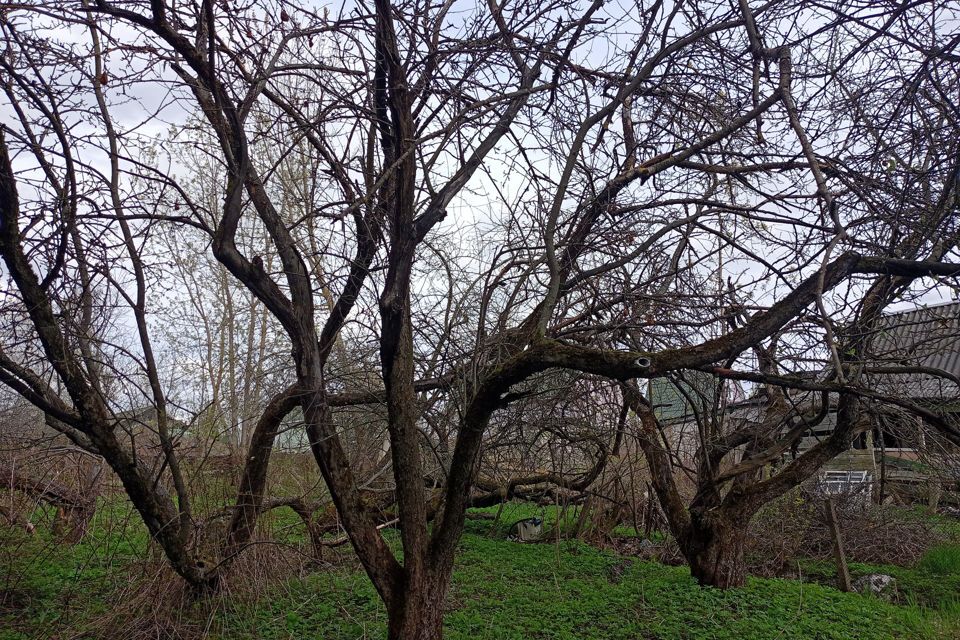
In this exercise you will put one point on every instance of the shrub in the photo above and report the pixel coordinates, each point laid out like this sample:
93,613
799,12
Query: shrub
795,527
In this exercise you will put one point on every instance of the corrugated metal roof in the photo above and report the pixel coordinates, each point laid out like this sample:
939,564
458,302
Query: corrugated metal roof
925,337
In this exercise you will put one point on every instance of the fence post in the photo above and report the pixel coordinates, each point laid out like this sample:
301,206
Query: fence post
843,573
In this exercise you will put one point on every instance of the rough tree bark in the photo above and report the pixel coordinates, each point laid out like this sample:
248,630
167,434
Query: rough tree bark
225,87
714,548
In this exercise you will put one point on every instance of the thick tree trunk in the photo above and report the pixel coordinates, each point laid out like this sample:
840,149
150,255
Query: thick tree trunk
416,612
714,550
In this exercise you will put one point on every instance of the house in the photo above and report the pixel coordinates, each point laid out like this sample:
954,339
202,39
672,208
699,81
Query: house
914,356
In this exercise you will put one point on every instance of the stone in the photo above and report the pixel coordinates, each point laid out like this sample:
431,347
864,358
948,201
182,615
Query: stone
875,583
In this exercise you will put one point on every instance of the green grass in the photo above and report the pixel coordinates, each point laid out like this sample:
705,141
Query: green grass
933,584
507,514
501,590
942,560
555,520
47,583
565,592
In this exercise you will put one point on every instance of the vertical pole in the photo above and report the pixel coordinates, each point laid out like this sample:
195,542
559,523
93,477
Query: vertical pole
934,491
883,466
843,573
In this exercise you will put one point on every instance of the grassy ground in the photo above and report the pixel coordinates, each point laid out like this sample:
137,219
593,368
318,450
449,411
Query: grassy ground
501,590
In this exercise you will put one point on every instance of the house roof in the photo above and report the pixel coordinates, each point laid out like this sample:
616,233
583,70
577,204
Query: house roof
923,337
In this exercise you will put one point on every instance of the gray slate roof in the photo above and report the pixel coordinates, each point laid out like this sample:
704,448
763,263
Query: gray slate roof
925,337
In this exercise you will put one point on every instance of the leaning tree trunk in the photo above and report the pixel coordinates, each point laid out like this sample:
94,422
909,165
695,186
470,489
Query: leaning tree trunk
715,551
75,510
416,611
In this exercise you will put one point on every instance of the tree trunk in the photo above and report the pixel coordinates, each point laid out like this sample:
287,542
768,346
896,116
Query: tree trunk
714,550
254,477
416,612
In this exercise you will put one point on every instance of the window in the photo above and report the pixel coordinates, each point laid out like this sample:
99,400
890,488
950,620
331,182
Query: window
833,483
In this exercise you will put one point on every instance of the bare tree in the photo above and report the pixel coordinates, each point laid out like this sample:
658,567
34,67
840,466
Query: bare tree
616,167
